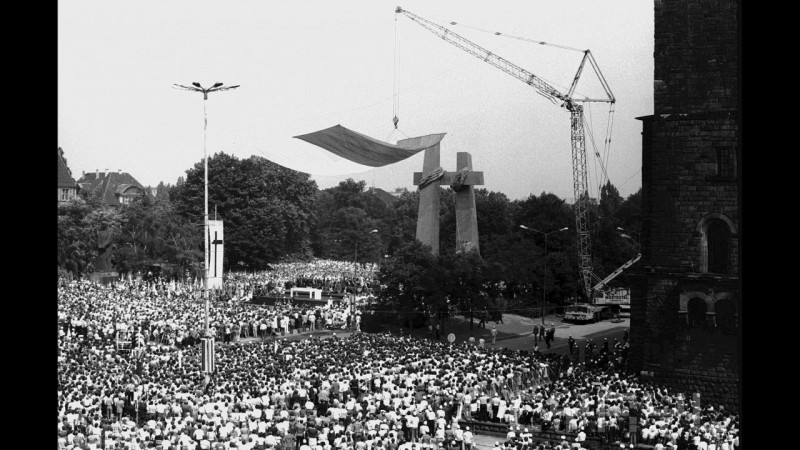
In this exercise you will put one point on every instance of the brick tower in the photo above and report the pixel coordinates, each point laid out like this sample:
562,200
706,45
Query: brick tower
685,323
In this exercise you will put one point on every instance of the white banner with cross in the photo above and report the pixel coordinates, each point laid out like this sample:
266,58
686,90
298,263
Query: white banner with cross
215,254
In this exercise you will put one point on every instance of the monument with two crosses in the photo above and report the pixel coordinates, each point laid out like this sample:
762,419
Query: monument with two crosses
462,181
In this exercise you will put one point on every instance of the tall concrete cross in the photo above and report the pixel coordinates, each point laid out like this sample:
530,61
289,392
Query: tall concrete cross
428,210
463,181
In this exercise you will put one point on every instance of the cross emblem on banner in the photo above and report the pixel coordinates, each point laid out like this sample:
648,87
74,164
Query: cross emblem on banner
215,243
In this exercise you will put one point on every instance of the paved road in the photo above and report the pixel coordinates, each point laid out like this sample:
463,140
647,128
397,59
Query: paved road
522,327
515,333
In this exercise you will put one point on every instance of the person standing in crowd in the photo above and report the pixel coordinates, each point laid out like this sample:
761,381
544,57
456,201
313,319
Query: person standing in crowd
535,332
468,439
494,334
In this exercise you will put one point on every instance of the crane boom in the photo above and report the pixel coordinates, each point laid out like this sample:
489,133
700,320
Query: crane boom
577,135
479,52
604,282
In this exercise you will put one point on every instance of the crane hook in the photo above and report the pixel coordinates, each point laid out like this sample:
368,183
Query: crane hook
395,120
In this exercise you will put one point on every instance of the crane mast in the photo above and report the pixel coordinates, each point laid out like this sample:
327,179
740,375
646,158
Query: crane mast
579,174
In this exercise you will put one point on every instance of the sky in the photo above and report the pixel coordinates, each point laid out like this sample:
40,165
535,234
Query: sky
304,66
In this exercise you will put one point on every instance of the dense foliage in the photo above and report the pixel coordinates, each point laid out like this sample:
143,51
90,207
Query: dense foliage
272,213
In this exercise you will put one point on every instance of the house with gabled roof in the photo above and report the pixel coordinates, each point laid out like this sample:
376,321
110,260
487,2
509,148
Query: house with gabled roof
115,188
67,187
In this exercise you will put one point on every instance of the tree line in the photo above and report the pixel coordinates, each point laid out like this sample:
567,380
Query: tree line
273,214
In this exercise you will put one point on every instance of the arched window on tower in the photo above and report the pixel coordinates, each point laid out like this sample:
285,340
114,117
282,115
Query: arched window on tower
718,237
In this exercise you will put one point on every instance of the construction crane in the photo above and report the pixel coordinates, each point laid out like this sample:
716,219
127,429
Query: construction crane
567,100
604,282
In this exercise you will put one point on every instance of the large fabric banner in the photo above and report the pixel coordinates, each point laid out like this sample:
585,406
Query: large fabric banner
215,254
365,150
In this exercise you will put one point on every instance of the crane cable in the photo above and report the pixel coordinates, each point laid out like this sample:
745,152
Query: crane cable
396,93
602,159
497,33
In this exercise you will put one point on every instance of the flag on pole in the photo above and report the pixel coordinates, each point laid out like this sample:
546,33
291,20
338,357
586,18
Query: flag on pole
207,355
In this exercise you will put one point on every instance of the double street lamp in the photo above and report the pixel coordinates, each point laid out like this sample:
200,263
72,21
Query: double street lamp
544,282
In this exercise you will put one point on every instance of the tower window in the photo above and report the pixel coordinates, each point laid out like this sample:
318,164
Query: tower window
719,247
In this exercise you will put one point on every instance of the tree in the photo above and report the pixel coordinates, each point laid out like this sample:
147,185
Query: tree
349,193
267,208
493,210
338,210
352,233
162,192
401,222
465,283
154,233
610,201
629,213
323,237
76,248
411,282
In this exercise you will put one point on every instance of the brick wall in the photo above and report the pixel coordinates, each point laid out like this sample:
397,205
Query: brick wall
696,55
689,155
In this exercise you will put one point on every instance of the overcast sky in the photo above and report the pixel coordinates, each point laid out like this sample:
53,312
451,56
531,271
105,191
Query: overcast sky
308,65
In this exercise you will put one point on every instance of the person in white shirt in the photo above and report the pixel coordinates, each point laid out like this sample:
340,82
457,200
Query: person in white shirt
468,439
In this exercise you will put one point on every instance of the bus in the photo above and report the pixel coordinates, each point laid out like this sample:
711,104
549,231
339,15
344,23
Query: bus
584,313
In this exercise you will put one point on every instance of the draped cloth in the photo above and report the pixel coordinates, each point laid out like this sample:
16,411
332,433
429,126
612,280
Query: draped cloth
365,150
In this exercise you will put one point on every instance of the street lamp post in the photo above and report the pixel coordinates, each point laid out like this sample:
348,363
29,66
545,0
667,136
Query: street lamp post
208,354
544,281
196,87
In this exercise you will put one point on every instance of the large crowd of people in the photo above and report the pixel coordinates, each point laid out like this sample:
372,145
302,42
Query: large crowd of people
329,275
360,392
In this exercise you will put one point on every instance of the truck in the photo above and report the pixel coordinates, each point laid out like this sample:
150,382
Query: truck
618,298
585,313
